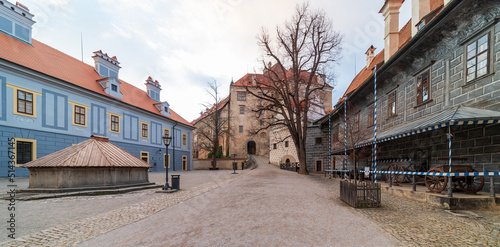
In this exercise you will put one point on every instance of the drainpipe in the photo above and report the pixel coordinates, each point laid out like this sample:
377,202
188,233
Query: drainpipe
173,146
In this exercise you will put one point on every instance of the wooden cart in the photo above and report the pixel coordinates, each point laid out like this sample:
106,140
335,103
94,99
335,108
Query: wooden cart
469,184
400,178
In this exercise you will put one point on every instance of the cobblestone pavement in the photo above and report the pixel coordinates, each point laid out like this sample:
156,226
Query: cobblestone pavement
249,209
269,207
35,216
419,224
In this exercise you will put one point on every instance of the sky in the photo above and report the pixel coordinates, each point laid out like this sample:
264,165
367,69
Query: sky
185,44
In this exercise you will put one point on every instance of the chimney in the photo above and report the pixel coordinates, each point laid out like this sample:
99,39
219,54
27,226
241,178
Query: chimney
254,81
105,65
16,21
321,79
390,10
419,9
154,88
370,55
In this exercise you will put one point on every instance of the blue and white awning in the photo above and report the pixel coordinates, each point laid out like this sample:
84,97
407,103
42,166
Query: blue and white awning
453,116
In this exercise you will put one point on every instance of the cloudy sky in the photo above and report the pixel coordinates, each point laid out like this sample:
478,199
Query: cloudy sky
186,43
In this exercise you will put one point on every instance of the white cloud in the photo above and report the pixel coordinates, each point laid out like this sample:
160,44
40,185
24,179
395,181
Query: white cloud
184,44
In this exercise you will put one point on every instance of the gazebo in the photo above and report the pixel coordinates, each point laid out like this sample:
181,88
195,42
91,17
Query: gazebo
93,163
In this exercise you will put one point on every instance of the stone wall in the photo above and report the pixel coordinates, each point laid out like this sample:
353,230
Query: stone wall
249,121
442,52
74,177
317,151
281,153
222,164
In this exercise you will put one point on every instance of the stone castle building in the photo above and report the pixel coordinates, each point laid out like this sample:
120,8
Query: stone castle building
243,122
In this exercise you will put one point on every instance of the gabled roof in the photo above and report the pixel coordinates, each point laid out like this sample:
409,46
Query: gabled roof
404,37
96,152
264,80
222,103
47,60
246,80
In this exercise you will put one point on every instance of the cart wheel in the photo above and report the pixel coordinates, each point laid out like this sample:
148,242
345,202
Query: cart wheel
396,178
415,167
471,184
436,183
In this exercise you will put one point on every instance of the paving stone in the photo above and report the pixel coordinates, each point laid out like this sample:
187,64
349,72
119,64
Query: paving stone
419,224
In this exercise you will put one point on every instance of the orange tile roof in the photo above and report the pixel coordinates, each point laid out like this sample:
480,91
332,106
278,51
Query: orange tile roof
436,4
366,73
404,34
247,79
47,60
205,114
97,151
264,79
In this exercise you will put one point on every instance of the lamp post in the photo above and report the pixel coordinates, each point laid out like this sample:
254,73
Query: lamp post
166,141
234,164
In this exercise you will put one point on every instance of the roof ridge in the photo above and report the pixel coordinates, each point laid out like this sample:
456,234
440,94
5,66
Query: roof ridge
70,148
99,145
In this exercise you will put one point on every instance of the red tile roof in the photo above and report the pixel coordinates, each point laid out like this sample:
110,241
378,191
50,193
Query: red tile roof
247,79
404,34
366,73
47,60
404,38
96,152
436,4
264,79
209,111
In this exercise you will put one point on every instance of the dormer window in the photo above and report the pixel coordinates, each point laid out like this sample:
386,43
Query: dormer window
153,88
421,25
114,87
105,65
16,21
165,109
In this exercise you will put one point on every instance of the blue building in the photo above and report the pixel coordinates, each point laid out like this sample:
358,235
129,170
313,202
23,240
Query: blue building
50,100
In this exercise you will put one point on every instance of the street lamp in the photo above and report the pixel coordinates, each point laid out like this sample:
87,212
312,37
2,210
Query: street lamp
234,164
166,141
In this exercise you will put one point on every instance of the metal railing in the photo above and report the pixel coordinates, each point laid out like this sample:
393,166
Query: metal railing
293,166
360,194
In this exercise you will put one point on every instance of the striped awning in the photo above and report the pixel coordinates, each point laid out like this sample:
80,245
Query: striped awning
460,115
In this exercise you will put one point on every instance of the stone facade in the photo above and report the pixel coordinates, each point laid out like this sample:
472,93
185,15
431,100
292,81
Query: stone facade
439,49
317,159
244,122
199,141
282,147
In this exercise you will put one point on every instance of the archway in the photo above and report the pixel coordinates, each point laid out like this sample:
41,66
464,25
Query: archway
251,147
288,159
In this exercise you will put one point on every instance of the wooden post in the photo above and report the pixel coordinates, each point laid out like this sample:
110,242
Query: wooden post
414,187
492,186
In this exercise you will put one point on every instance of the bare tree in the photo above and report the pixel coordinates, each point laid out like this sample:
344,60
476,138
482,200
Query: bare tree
307,45
356,136
214,124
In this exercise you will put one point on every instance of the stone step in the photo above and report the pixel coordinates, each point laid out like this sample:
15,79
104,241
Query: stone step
25,196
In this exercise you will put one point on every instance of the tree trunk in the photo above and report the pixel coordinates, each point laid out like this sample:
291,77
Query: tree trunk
214,156
354,165
302,161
